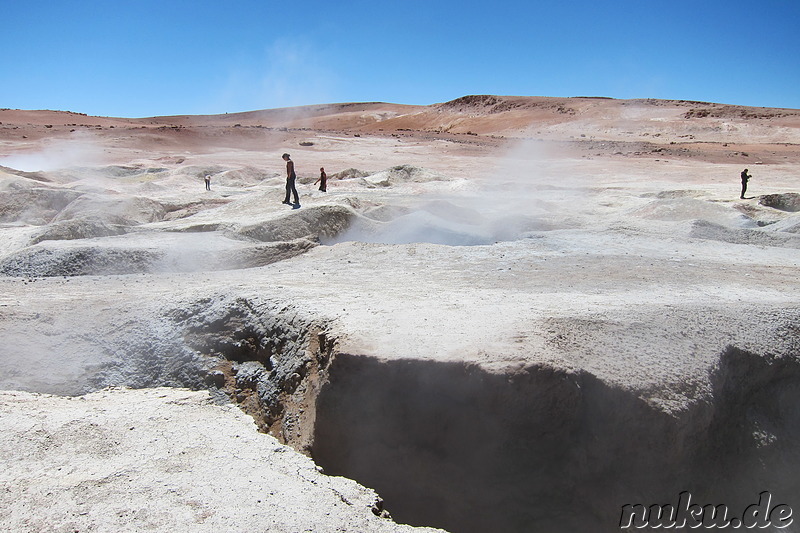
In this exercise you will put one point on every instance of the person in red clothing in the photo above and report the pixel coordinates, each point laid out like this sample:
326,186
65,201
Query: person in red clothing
323,180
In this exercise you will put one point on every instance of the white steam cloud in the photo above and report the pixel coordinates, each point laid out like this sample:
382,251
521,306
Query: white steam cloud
527,190
290,73
56,154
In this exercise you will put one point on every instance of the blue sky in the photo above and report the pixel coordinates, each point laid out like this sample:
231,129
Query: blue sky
136,58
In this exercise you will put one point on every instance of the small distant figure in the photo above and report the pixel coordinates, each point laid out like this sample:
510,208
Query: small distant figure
323,180
290,179
207,179
745,178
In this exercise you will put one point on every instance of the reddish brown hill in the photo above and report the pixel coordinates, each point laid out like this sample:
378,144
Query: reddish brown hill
592,118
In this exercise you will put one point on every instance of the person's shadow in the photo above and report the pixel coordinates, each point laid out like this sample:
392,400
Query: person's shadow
747,198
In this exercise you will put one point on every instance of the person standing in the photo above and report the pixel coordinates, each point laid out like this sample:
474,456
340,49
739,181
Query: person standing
745,178
323,180
290,179
208,182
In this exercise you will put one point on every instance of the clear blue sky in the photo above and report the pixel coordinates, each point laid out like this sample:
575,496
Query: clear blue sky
135,58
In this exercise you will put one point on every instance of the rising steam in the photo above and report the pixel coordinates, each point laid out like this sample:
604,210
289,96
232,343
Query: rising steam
56,154
525,192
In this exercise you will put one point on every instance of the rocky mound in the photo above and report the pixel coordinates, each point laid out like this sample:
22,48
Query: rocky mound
146,253
703,229
349,174
386,213
244,177
680,208
77,228
47,259
180,210
29,202
110,172
789,225
125,210
401,174
325,221
789,201
38,176
164,460
671,195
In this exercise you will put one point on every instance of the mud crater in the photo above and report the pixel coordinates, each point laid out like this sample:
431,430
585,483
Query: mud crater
455,446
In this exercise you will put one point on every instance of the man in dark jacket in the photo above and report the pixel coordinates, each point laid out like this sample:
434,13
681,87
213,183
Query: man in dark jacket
290,179
745,178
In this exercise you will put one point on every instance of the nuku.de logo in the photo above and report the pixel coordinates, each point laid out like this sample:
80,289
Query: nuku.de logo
691,515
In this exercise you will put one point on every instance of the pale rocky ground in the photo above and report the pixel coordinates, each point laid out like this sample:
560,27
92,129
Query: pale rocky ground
519,313
154,459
